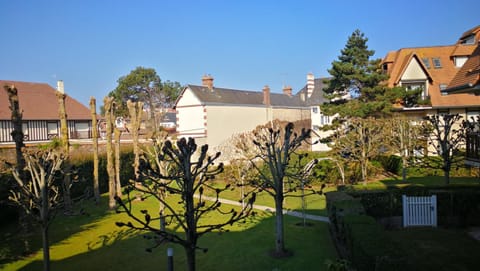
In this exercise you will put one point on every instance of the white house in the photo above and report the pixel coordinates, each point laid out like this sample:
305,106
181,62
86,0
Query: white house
212,115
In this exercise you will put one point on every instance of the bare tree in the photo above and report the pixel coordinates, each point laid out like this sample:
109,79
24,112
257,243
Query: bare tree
360,141
64,139
135,112
17,136
446,135
189,178
37,192
93,111
272,162
109,105
405,136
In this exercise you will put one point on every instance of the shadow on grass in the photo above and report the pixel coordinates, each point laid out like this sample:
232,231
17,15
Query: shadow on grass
246,248
62,227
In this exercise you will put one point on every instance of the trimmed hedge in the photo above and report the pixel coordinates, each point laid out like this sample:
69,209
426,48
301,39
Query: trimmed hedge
358,236
456,205
369,246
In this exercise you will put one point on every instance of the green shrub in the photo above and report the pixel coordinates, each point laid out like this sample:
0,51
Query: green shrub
391,163
368,245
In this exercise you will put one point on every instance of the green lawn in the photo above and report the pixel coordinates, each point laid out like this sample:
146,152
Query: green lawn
438,248
93,242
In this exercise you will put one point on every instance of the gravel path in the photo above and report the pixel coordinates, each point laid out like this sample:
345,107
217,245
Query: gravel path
271,209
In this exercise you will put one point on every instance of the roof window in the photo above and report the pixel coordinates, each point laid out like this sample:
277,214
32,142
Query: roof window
436,62
426,62
469,40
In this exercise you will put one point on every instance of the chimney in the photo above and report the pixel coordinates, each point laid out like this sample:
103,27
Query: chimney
207,81
287,90
60,87
266,95
310,84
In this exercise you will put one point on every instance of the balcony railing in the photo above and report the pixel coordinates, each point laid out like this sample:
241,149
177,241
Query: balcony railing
473,148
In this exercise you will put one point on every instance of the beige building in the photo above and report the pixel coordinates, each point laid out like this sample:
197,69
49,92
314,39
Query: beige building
212,115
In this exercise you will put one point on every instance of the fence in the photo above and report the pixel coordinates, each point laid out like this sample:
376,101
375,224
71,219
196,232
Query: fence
419,211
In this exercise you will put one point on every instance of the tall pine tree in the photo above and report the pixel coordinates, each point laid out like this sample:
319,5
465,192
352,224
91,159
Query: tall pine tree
356,88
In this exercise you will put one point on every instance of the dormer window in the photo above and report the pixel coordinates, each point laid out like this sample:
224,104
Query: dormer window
436,63
426,62
468,40
459,61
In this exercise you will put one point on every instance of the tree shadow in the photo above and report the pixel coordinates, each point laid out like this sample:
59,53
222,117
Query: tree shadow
245,247
62,228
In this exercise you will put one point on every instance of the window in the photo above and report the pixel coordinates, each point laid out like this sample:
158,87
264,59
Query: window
385,67
315,110
52,130
436,62
468,40
25,130
426,62
325,120
459,61
442,88
473,115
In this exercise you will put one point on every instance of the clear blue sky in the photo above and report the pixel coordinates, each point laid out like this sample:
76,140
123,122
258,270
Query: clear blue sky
245,44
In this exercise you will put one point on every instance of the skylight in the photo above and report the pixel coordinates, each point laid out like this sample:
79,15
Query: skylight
436,62
426,62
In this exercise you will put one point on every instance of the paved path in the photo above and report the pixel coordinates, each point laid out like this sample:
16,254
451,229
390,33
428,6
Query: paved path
270,209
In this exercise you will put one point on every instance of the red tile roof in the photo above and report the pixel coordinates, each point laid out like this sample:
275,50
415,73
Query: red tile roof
469,74
448,74
38,101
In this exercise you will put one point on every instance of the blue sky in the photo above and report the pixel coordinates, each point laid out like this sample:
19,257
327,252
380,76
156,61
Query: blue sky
242,44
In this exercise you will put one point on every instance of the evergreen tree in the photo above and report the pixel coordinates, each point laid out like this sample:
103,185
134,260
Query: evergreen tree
356,88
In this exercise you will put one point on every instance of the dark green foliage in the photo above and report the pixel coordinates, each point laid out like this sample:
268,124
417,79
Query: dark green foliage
143,84
8,212
358,236
84,186
355,75
456,205
368,245
391,163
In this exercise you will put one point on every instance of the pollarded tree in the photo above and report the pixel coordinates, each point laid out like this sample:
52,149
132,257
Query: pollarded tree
190,180
37,191
446,135
275,148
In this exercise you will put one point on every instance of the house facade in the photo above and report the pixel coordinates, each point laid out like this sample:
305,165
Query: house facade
432,69
467,81
213,115
440,72
40,113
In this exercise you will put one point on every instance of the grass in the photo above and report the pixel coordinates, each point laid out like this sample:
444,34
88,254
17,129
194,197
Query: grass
437,248
93,242
433,248
421,181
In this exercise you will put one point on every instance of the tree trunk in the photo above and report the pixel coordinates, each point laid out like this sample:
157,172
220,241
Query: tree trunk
190,251
64,137
96,188
118,184
279,235
108,103
17,136
46,249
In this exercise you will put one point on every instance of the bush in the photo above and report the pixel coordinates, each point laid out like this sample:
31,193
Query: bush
368,245
391,163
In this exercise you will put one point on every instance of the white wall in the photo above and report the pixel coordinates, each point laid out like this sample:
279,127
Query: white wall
190,116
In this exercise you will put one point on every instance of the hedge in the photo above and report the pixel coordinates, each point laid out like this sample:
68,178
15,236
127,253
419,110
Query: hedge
358,236
456,205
